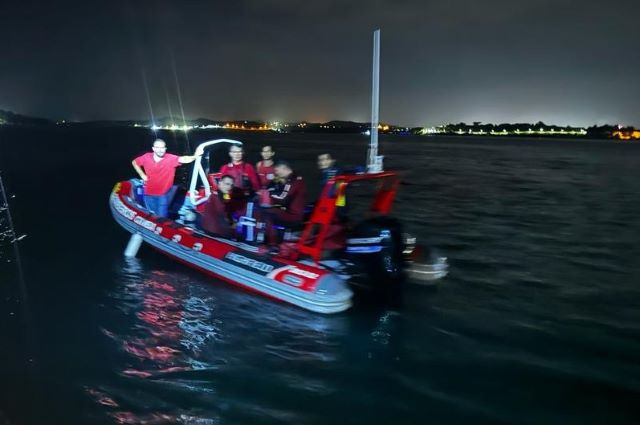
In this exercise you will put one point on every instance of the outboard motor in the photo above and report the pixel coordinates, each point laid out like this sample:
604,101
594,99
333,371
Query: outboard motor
375,247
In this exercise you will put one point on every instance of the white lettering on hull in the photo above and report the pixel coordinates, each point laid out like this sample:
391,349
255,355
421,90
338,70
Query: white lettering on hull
303,273
122,208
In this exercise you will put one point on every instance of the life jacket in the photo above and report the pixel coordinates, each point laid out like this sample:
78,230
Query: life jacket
265,173
240,175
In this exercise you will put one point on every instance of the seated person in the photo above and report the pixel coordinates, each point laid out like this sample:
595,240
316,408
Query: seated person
216,217
287,204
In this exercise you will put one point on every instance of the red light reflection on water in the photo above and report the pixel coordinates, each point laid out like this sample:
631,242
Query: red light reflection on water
161,314
156,336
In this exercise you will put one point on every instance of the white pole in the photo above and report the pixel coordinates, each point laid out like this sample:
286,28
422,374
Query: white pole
133,246
375,106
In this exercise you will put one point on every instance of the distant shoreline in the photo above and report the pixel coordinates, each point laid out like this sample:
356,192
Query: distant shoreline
477,129
414,137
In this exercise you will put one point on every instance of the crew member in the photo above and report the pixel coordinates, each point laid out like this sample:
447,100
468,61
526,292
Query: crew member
327,166
157,169
216,217
245,179
288,204
329,170
264,168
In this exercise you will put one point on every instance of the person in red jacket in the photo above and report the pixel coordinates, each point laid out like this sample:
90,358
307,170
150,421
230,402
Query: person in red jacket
264,168
158,169
287,204
245,179
216,217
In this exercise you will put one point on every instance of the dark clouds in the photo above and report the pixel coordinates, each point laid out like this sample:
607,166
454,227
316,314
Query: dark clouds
559,61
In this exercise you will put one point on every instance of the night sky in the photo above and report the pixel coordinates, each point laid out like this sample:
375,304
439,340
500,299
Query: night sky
558,61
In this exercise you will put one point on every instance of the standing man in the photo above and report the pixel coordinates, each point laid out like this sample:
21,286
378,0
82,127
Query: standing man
244,175
264,168
327,166
158,169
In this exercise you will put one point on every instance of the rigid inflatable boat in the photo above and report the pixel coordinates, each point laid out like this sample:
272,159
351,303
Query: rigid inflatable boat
316,267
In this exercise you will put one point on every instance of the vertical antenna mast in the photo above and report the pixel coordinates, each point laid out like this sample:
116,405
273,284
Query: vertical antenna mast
374,162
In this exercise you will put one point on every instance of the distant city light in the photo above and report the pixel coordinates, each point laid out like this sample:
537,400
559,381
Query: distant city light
503,131
626,135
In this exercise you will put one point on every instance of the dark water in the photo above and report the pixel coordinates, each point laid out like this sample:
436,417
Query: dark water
538,322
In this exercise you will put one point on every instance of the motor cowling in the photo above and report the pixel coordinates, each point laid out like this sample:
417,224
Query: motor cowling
375,246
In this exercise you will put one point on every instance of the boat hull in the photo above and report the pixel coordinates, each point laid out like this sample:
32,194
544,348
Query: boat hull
307,286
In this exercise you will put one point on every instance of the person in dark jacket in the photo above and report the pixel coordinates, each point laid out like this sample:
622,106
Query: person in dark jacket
287,202
327,166
329,170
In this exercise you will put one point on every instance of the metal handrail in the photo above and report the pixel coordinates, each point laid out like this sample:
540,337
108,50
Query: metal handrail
199,171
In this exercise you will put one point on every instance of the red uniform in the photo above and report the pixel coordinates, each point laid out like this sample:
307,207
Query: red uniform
290,201
216,217
244,175
160,173
265,173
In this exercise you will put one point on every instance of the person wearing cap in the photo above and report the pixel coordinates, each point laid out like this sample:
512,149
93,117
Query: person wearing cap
157,169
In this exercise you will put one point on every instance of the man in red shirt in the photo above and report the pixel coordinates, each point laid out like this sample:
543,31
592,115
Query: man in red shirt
264,168
245,179
157,169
